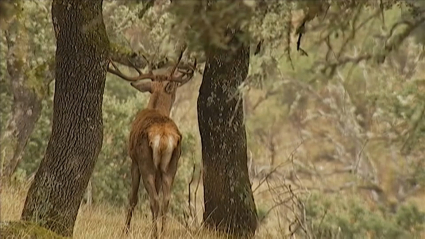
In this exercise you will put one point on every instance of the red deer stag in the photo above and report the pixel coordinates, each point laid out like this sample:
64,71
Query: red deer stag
155,140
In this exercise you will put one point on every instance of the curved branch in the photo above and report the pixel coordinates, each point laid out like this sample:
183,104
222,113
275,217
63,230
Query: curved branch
390,46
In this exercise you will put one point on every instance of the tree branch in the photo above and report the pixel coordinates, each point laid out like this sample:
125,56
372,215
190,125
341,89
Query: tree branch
390,46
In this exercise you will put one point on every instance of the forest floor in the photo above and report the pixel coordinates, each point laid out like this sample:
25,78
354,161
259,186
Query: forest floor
106,221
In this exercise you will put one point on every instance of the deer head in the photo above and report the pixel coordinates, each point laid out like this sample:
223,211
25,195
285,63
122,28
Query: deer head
162,87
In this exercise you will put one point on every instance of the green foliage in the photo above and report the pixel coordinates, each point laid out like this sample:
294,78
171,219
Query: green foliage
205,22
38,25
336,217
118,17
153,30
36,22
37,144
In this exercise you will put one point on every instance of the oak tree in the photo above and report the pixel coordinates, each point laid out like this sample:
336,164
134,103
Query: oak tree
228,198
82,50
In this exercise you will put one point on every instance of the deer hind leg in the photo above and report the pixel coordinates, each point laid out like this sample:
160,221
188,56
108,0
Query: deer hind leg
158,186
133,197
149,182
167,181
168,174
158,182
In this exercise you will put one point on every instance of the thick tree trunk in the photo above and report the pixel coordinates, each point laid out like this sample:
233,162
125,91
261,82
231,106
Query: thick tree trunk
26,107
228,198
55,195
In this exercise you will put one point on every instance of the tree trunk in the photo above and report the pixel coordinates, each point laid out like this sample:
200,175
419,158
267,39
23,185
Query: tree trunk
228,198
26,106
55,195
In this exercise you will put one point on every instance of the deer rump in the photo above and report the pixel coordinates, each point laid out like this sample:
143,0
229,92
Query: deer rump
160,133
162,142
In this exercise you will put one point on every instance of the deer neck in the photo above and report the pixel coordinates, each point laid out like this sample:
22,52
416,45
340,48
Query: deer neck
160,103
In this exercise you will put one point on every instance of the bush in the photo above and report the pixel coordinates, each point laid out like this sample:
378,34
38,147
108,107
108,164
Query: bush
336,217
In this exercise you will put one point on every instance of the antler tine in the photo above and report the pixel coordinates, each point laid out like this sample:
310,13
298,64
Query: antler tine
116,71
188,73
191,70
142,76
195,64
177,64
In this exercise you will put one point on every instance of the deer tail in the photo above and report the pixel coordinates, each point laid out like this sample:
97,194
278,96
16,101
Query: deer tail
162,149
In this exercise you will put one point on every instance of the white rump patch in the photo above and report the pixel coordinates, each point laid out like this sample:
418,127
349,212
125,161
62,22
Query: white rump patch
162,159
155,150
168,152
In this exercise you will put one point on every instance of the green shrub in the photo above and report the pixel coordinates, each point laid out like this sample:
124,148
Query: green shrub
337,217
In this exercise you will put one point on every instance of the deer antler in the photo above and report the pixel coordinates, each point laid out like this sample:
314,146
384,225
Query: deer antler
116,71
182,79
186,75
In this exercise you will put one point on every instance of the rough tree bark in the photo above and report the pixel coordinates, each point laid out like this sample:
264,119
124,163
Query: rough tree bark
228,198
26,104
82,49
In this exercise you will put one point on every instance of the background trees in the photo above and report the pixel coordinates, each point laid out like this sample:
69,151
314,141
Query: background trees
25,91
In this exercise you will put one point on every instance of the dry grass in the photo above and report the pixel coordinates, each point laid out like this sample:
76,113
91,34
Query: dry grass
102,221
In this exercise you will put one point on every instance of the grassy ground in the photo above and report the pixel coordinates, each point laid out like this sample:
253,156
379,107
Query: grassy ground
104,221
98,221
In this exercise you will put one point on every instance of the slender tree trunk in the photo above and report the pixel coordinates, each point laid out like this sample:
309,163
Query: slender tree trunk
228,198
55,195
26,106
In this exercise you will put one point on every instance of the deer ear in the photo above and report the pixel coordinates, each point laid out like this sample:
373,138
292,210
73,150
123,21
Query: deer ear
143,86
170,87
